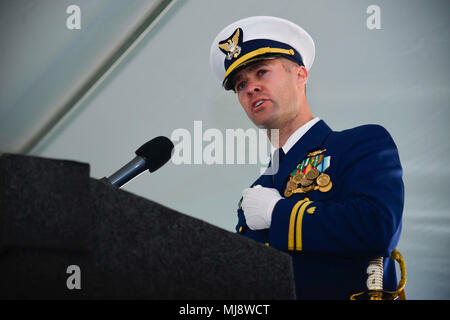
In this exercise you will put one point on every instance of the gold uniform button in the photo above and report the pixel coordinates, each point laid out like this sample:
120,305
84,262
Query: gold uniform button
240,229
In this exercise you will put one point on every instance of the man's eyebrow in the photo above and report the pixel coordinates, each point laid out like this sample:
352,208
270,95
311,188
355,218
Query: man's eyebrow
256,65
236,78
249,69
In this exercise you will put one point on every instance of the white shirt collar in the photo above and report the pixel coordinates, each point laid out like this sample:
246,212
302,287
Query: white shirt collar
297,135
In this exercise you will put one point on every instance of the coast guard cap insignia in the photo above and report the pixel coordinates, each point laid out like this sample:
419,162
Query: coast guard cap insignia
231,46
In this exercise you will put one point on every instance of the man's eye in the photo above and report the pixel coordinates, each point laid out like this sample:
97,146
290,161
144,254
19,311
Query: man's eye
240,86
261,72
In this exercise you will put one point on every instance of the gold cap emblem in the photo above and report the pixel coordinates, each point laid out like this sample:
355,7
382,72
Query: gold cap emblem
231,46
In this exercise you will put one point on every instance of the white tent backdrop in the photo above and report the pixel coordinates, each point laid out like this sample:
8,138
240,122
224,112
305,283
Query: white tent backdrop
396,76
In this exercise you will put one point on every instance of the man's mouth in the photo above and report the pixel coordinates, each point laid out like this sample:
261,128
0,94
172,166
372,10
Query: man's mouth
258,104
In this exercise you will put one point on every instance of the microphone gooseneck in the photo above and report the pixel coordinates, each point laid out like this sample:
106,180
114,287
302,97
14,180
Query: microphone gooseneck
152,155
128,171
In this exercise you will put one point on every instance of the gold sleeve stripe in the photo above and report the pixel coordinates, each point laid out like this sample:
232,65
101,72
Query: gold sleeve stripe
298,236
255,53
292,223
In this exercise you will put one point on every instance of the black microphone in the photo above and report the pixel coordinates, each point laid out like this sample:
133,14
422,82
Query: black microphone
151,155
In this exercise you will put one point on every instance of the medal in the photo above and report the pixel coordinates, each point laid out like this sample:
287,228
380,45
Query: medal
308,188
326,188
323,180
312,173
309,175
305,181
298,190
291,185
298,177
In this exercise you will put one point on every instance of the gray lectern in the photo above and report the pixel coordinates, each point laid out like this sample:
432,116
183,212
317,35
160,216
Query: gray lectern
64,235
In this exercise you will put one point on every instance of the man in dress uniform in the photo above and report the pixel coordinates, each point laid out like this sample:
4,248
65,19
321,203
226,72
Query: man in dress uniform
335,200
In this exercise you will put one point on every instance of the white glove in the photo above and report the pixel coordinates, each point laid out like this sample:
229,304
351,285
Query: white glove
258,203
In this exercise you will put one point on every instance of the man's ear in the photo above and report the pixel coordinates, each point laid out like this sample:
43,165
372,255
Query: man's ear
302,76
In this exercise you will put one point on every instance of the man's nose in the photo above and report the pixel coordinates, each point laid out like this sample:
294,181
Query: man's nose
253,87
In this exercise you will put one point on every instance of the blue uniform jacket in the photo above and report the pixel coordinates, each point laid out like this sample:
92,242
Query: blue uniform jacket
333,236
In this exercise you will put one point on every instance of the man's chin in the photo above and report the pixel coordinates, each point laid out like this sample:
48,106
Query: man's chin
264,124
261,125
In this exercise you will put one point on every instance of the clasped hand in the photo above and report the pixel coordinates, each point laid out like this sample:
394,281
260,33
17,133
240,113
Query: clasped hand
258,204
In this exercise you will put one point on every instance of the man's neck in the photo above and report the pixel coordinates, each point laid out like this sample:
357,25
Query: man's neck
287,130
